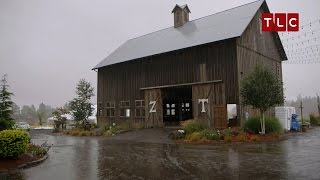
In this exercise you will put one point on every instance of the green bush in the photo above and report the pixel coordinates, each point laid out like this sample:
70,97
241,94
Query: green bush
211,134
6,124
13,143
315,121
191,126
272,125
195,136
37,150
227,138
226,132
252,125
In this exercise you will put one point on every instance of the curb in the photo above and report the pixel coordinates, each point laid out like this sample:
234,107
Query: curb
28,164
33,163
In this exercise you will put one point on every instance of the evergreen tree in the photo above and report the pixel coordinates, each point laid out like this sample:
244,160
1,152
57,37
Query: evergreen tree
6,120
80,106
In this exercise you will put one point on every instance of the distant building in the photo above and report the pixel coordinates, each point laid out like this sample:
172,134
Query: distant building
70,119
190,70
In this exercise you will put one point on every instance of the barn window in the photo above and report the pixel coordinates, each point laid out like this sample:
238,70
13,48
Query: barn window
124,107
110,108
170,109
139,105
185,107
100,107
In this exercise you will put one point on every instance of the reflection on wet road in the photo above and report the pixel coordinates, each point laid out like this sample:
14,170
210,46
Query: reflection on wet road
105,158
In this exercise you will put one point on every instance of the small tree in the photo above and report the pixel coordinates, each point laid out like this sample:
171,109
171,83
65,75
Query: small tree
80,106
6,120
40,118
261,89
60,120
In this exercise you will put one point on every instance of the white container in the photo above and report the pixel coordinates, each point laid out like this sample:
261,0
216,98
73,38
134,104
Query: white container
284,114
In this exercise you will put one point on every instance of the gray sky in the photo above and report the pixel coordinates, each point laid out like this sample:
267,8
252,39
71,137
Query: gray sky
46,46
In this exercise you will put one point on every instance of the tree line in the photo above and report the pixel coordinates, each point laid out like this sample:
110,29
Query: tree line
79,107
31,114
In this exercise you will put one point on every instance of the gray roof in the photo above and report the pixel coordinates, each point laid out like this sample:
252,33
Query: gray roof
223,25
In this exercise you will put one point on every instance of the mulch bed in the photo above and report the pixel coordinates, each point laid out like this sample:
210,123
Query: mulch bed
22,162
262,138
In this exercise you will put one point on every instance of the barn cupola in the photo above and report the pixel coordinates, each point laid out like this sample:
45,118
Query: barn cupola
181,15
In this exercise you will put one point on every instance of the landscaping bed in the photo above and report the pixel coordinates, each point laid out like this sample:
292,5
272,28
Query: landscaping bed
256,139
108,130
16,151
195,132
24,161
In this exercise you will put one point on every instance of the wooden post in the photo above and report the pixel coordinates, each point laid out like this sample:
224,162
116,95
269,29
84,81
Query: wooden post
318,100
301,107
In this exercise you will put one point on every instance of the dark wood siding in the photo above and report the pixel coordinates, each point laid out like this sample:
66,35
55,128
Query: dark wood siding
255,47
122,82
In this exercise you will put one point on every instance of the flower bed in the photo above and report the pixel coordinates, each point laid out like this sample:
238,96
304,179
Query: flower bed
108,130
193,132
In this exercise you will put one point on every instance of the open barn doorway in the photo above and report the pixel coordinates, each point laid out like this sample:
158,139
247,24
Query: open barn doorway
177,105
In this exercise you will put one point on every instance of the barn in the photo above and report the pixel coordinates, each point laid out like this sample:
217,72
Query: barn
191,70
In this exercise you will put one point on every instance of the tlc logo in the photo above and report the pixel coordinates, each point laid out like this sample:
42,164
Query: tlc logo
280,22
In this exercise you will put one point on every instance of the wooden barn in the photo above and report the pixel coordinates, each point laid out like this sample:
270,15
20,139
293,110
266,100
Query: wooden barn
189,71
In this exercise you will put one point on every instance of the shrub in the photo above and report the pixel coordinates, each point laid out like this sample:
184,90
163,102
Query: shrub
227,138
235,132
242,137
272,125
195,136
13,143
83,133
253,125
75,133
107,133
191,126
37,150
180,134
211,134
314,120
6,124
226,132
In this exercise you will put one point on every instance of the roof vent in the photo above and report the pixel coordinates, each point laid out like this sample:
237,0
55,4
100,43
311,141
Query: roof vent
181,15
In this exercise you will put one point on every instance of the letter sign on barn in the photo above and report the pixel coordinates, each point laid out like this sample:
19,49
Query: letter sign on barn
202,101
153,104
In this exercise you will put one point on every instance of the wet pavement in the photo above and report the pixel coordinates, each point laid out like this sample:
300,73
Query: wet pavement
130,156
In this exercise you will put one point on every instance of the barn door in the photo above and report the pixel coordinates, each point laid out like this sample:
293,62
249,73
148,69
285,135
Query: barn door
153,108
220,116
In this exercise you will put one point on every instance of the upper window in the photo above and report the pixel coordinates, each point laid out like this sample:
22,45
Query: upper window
110,109
139,108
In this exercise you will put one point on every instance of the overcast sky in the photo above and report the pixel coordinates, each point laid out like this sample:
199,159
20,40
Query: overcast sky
46,46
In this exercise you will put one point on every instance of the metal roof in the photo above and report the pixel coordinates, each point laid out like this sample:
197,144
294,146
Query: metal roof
223,25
